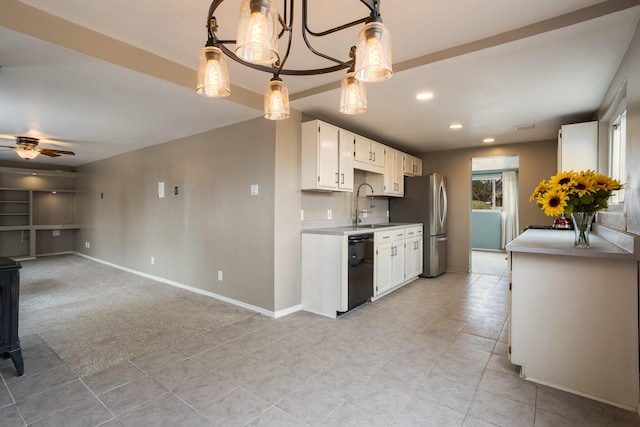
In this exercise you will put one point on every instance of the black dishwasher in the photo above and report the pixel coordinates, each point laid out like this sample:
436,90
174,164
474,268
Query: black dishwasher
360,276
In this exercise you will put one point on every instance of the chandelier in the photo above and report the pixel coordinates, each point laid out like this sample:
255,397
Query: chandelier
261,26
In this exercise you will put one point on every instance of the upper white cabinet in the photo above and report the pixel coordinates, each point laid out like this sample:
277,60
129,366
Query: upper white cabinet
412,165
330,154
578,147
391,182
327,157
369,155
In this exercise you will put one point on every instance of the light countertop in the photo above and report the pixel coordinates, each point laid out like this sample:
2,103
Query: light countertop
560,242
362,229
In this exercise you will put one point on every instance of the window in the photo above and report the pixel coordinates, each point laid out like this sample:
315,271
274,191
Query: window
486,192
617,153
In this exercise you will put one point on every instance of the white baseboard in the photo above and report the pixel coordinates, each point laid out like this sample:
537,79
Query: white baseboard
260,310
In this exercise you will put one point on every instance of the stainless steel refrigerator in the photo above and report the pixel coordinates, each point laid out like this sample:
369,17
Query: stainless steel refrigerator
425,201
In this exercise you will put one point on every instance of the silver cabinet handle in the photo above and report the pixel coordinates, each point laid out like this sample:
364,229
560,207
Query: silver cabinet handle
337,178
342,179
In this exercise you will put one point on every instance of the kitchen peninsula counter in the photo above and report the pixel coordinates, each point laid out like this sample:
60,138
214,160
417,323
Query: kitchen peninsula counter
574,313
560,242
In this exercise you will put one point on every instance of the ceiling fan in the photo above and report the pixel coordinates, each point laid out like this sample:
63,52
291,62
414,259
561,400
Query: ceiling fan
27,148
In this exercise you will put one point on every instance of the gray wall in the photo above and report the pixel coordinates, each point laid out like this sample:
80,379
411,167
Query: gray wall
213,223
537,162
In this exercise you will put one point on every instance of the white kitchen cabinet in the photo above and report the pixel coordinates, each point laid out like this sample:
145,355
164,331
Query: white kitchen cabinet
326,157
574,316
391,183
412,165
389,260
578,147
325,273
413,252
368,155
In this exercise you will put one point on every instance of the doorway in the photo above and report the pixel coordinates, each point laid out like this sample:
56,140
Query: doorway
494,211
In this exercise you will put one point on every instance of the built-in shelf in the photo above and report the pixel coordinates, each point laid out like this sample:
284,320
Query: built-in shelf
38,212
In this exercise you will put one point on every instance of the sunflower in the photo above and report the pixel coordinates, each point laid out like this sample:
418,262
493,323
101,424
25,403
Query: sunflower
603,182
563,180
584,183
553,202
541,188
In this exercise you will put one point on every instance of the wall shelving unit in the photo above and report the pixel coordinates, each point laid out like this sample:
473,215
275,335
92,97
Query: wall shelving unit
36,220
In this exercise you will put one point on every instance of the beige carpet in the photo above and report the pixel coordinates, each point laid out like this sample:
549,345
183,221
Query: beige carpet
95,316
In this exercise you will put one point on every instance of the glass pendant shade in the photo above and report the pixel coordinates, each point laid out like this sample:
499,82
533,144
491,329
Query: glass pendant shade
257,36
353,95
276,101
213,75
27,154
373,58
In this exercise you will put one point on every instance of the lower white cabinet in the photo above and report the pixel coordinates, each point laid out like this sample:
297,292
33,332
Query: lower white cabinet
574,324
325,269
397,258
413,252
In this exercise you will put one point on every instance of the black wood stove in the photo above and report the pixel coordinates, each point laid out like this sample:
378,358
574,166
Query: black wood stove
9,308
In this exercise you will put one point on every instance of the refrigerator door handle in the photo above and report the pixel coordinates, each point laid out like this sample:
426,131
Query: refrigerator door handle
443,210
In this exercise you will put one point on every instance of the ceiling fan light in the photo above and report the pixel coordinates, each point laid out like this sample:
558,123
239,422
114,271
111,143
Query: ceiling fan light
257,36
353,95
213,75
373,58
276,100
27,154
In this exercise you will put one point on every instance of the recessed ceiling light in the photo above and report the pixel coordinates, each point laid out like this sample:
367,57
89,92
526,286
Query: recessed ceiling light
424,96
488,140
455,126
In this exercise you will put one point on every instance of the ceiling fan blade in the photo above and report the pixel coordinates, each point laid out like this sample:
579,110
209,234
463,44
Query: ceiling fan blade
55,153
49,153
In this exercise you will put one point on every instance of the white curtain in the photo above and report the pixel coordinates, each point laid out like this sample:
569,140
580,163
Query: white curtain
510,225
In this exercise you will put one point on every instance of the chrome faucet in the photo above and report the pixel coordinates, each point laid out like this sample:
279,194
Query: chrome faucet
357,219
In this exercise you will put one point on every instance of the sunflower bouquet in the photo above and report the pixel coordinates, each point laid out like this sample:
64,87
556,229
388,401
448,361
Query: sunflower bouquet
568,192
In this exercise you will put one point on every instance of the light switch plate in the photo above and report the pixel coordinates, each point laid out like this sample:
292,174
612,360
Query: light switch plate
254,189
329,214
161,190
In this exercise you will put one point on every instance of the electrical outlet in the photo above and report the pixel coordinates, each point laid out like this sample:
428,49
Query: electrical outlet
254,189
153,260
329,214
301,214
219,275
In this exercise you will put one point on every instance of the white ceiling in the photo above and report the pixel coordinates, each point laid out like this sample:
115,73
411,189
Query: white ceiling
492,65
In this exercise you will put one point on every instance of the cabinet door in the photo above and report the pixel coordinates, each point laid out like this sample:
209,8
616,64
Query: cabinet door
377,155
578,147
389,171
417,166
398,174
397,261
383,267
362,150
413,257
345,162
328,148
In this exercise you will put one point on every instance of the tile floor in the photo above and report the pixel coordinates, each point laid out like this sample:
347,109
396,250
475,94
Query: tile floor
431,354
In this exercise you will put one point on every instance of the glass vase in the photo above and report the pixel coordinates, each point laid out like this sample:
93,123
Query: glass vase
582,227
